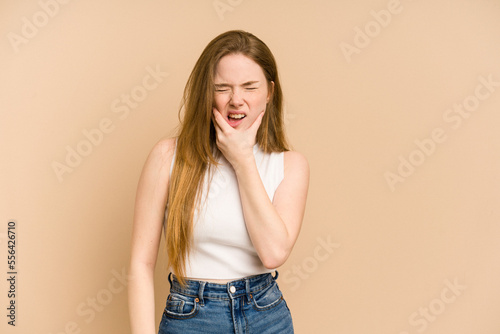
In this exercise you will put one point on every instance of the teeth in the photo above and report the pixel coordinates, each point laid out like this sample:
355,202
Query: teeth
236,116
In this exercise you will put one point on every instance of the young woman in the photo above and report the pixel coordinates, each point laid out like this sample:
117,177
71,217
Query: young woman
230,196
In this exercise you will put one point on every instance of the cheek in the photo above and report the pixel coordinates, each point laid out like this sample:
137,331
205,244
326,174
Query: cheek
259,102
220,100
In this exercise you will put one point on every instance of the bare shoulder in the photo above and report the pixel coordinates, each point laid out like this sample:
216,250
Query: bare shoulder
295,162
162,152
157,166
164,148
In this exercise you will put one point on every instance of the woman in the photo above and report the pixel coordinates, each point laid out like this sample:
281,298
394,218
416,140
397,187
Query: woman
231,196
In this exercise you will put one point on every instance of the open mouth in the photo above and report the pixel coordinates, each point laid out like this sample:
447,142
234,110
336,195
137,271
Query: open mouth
236,116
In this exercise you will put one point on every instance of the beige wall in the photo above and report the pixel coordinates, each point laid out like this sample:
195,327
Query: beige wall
418,254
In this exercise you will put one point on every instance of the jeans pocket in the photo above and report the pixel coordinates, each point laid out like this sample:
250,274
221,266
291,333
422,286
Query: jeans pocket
180,306
267,298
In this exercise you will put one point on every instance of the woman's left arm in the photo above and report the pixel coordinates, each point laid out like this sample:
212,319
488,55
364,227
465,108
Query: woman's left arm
273,226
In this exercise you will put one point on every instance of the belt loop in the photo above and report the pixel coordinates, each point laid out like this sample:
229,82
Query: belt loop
247,289
201,288
170,278
276,277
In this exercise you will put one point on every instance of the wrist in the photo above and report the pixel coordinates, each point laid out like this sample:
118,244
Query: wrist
244,165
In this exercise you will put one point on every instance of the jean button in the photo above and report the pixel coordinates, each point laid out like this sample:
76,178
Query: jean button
232,289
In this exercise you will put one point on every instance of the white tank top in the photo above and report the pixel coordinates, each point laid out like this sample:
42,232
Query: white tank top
222,248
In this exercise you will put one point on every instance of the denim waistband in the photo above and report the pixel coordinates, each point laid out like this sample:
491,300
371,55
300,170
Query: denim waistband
233,289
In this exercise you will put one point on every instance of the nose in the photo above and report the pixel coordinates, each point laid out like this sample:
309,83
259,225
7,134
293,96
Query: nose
236,99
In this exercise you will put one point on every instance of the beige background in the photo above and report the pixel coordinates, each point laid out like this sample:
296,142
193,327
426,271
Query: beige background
371,258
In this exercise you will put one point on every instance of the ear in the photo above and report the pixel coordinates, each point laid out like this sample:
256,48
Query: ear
270,91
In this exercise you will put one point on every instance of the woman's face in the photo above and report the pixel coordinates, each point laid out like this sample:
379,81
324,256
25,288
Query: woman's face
241,90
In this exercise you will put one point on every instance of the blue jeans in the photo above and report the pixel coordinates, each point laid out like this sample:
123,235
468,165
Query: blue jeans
252,304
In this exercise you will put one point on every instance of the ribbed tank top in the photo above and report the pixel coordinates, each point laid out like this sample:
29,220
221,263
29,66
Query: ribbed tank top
221,247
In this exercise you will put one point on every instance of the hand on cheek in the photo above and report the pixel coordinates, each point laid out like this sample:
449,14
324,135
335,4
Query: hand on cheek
236,145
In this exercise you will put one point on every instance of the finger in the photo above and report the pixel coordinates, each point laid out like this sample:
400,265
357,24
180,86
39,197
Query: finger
220,122
217,126
258,121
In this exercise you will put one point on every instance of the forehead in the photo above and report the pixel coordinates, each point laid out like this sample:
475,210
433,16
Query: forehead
238,68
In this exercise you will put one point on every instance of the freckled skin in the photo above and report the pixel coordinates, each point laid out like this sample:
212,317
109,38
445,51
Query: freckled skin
240,86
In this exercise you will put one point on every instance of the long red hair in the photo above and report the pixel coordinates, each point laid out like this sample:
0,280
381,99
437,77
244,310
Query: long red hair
196,142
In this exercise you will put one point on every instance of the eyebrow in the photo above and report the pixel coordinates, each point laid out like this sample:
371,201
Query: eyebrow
248,83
